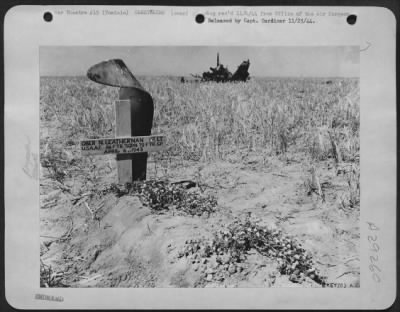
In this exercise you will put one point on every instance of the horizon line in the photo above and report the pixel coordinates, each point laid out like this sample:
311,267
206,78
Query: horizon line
179,76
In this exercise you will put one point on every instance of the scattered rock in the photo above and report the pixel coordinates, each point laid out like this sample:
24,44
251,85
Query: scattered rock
220,278
226,258
232,268
210,271
213,262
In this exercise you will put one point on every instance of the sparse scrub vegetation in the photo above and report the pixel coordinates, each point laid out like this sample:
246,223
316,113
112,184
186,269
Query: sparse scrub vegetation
285,149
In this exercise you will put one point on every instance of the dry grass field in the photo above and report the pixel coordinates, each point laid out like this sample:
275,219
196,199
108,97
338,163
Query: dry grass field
275,198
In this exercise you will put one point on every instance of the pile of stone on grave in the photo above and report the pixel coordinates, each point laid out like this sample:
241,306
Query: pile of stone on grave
227,252
161,195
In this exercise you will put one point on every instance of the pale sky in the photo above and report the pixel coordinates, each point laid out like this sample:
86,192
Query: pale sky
327,61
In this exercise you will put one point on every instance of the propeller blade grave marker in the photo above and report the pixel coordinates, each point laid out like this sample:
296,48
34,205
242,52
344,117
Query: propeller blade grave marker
134,119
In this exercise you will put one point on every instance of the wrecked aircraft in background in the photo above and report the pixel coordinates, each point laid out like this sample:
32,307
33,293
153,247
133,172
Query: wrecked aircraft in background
220,73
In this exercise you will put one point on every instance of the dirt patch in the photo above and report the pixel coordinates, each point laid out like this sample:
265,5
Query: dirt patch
132,245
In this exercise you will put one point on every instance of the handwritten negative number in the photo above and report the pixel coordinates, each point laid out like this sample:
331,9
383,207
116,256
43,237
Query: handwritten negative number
374,249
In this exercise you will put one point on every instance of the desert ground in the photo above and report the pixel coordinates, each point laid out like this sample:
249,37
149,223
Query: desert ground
258,186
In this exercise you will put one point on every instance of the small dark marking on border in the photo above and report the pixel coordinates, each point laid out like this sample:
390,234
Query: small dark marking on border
31,167
367,47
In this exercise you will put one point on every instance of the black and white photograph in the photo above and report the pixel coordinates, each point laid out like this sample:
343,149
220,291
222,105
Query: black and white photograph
200,166
200,157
